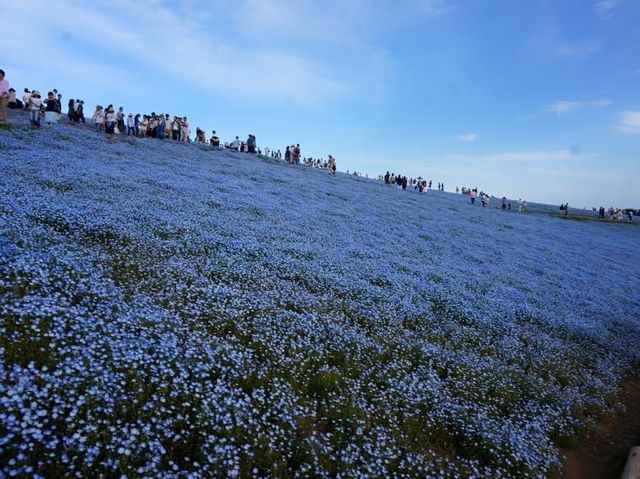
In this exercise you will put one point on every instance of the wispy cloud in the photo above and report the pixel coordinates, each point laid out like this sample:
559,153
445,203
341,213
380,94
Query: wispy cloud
604,8
468,137
435,7
575,50
539,156
629,122
562,107
170,42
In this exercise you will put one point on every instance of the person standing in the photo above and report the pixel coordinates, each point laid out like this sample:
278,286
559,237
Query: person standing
136,124
51,109
296,154
130,125
473,196
120,119
331,166
72,109
111,121
186,130
80,112
98,119
26,96
34,108
175,128
4,97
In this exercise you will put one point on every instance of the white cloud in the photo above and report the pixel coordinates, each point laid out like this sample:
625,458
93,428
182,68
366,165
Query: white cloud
468,137
629,122
604,8
561,107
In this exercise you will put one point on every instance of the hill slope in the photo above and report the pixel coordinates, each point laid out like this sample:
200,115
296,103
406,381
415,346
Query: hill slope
167,310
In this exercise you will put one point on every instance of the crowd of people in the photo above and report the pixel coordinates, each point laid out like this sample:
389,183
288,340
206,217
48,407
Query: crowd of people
164,127
113,123
617,214
402,182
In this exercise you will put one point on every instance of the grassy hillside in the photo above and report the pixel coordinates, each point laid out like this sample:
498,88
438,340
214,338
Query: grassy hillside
169,311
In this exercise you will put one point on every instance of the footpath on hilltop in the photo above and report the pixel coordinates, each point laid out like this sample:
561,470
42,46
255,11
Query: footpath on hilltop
171,311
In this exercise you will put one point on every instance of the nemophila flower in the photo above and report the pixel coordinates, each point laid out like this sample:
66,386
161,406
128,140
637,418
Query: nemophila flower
171,312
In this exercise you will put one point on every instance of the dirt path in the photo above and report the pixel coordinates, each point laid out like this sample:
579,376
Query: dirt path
604,453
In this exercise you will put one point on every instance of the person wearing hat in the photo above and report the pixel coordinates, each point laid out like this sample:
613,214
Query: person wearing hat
34,108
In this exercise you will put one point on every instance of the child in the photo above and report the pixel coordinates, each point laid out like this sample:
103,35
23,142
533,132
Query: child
34,108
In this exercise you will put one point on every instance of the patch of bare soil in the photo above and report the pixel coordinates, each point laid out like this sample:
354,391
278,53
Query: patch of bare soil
603,454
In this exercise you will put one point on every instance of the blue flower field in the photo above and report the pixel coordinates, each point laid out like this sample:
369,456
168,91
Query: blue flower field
171,311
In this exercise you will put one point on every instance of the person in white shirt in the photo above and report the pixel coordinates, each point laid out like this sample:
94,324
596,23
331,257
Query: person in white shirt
111,121
185,130
130,125
25,98
4,97
98,118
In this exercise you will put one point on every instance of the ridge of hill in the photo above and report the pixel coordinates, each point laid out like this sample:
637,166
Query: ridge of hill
171,311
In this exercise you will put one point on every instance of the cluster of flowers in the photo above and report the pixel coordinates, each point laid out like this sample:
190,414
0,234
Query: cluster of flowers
173,312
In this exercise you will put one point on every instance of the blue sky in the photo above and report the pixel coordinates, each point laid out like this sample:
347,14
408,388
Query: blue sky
536,99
